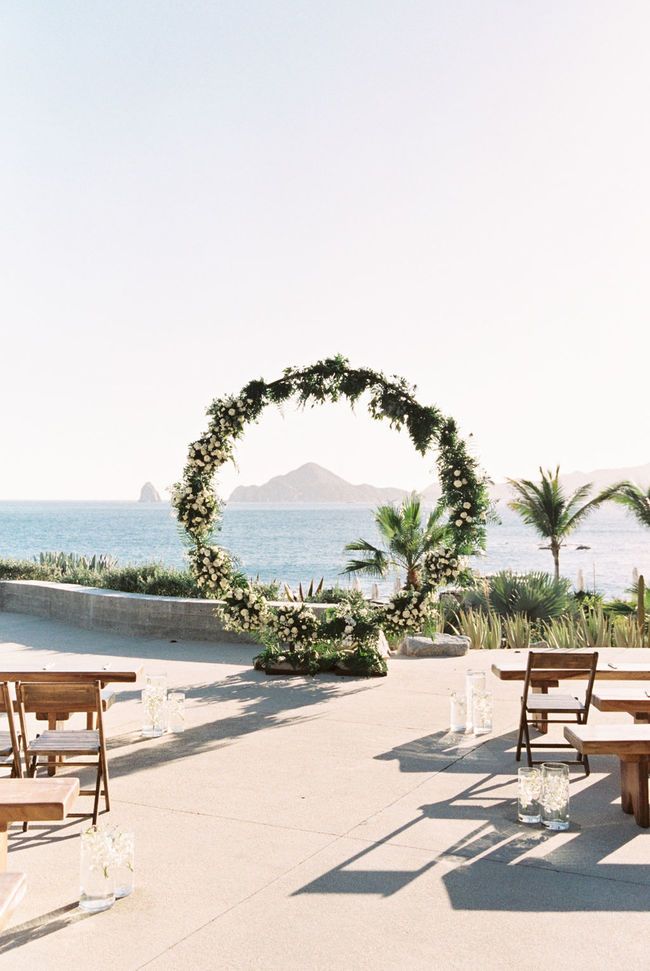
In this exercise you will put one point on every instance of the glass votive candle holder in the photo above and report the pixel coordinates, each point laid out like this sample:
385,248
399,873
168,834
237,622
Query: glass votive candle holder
482,712
457,712
529,790
123,863
97,877
474,681
176,711
554,797
154,698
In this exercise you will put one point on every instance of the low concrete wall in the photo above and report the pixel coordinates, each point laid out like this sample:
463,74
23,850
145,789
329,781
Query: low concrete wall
137,614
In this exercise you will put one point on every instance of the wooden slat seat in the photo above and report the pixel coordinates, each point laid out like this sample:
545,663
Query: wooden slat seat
12,891
6,745
555,703
69,742
631,743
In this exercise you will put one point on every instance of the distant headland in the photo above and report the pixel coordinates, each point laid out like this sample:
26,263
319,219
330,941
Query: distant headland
311,483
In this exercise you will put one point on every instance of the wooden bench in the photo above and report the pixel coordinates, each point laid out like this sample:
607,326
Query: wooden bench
632,701
631,743
22,800
12,891
32,800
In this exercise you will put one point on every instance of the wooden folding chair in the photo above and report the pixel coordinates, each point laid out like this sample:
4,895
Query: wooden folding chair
547,667
61,699
9,743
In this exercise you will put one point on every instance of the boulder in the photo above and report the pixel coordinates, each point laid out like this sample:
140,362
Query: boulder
382,645
441,645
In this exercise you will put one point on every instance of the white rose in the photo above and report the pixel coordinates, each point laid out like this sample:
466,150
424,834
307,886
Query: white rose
459,522
457,483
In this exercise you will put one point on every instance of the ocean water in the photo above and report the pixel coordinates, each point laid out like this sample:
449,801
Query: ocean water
293,543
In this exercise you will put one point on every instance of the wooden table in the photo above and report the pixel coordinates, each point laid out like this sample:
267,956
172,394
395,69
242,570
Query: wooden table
541,682
69,671
631,743
632,701
606,671
25,800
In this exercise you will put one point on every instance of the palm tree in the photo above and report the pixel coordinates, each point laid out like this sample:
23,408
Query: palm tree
406,540
633,498
546,507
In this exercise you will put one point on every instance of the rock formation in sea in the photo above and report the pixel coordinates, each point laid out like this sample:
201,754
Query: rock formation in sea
149,493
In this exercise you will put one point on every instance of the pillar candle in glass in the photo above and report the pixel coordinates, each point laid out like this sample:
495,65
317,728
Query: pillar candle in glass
482,712
474,681
154,698
458,712
529,790
176,711
554,797
97,881
123,863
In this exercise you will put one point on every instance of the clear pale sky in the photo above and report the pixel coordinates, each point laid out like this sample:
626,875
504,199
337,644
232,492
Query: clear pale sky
194,194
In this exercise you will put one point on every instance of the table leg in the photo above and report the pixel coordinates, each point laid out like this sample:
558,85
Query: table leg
634,789
542,724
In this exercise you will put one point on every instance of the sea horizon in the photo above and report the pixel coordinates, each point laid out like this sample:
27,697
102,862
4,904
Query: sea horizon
297,542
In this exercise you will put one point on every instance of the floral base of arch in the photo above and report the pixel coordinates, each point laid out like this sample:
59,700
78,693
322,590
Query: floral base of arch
353,626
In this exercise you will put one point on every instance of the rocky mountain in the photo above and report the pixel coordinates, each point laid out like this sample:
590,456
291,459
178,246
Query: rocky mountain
149,493
313,483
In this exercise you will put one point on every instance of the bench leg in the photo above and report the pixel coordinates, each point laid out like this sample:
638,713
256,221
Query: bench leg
634,789
3,846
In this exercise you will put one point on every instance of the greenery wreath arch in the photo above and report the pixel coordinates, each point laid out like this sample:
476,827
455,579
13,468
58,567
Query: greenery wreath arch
199,509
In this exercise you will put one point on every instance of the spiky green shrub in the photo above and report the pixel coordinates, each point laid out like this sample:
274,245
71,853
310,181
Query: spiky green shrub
68,563
537,596
518,632
563,633
484,630
26,570
626,633
594,627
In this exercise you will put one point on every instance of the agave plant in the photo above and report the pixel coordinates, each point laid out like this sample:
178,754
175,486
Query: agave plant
563,633
518,632
538,596
594,628
483,630
301,596
67,562
626,633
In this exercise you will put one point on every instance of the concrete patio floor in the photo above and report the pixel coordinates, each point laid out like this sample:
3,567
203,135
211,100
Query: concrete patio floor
326,823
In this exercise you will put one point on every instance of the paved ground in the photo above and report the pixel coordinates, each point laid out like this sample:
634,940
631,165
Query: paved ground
327,824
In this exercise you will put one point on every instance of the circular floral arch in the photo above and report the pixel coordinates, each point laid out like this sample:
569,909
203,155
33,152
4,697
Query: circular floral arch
392,399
